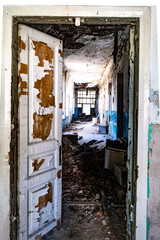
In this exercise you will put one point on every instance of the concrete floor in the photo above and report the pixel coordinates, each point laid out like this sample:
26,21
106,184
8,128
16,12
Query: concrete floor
88,131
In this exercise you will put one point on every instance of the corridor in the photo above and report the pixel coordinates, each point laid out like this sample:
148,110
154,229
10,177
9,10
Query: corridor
93,201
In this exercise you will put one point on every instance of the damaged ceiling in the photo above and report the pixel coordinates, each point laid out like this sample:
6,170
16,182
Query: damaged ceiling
87,49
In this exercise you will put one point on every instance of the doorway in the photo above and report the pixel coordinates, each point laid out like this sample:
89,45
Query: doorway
104,42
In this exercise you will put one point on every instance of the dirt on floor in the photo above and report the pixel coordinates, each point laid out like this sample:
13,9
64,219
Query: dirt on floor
93,202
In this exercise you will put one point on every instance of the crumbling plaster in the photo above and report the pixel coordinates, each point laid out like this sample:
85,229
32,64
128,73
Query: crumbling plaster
153,203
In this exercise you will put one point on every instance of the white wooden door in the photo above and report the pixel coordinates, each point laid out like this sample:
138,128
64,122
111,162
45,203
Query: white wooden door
40,131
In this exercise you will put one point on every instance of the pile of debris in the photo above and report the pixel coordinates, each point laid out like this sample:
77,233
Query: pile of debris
89,189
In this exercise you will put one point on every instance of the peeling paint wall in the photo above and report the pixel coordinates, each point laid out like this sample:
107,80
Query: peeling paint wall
153,176
68,100
108,97
153,218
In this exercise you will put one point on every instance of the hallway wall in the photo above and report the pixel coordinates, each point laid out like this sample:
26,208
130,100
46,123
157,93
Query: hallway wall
153,178
68,100
108,95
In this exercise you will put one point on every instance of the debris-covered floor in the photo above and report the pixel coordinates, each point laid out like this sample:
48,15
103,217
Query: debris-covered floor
93,202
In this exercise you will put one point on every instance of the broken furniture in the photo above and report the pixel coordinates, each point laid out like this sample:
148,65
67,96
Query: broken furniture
68,139
115,159
103,129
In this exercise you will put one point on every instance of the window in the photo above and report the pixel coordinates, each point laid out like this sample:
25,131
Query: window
86,99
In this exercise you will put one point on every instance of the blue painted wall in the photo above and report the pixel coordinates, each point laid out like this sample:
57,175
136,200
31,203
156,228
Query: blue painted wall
77,110
113,125
75,115
65,122
107,117
125,124
93,112
66,119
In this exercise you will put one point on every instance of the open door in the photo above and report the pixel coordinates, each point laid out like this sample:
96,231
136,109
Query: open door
132,134
40,131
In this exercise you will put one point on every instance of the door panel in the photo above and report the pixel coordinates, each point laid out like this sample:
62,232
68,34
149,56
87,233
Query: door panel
40,131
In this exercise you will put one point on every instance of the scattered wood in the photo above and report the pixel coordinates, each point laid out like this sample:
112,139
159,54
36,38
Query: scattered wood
78,203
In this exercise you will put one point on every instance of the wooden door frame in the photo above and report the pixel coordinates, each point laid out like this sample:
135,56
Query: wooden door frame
9,123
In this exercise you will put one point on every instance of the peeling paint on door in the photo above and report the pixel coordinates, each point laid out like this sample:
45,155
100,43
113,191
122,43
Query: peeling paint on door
45,86
40,77
23,69
37,164
42,125
60,106
43,52
60,52
21,44
22,86
38,237
59,173
43,200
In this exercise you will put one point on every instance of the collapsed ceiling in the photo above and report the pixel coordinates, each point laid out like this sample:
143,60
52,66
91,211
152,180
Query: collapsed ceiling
87,49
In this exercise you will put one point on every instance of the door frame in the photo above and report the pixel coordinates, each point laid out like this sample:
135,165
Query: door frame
9,124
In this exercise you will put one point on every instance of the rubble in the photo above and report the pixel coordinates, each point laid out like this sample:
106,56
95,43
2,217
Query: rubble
93,202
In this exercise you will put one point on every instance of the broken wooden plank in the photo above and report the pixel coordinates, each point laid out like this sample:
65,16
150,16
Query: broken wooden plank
116,149
81,203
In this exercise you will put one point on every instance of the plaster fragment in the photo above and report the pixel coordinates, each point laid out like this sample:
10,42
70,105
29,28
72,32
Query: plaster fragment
154,97
43,200
42,125
37,164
